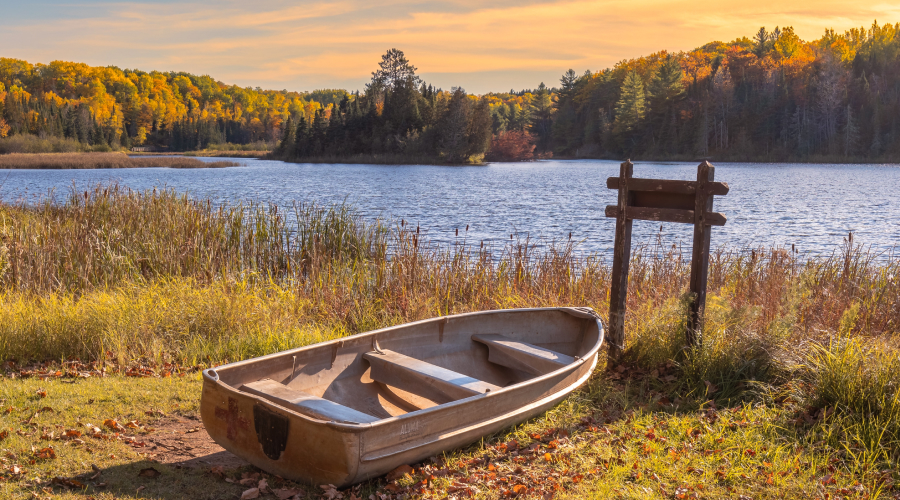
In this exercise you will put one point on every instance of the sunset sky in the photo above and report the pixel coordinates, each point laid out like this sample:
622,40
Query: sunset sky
482,46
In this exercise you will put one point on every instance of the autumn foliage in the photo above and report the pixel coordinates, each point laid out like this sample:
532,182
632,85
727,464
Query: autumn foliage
515,145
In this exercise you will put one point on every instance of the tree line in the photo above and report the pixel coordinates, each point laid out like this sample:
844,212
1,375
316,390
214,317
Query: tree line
771,96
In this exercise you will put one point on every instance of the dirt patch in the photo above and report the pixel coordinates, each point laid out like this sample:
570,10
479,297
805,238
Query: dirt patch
184,442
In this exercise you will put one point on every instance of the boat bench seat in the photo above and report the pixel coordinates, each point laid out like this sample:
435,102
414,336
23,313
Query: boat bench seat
422,378
523,356
306,403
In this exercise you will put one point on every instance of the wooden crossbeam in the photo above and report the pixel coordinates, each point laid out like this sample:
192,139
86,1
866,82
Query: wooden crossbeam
666,215
667,185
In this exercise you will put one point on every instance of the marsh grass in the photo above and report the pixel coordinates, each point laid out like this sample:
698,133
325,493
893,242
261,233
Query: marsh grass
101,160
163,276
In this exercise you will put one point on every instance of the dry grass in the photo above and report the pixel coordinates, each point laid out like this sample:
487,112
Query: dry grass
161,276
101,160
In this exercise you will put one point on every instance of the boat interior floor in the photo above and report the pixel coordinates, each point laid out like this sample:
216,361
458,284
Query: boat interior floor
406,384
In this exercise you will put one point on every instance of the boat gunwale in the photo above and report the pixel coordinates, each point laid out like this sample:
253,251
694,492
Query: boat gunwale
359,427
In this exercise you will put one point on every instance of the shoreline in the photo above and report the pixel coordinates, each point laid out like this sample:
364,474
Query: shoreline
154,160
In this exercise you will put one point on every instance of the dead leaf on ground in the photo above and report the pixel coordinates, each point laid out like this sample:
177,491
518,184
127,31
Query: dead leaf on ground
331,491
113,424
399,472
285,493
149,472
251,493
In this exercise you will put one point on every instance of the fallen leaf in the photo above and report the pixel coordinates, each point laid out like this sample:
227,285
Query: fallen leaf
285,493
42,393
399,472
251,493
112,424
331,491
263,485
149,472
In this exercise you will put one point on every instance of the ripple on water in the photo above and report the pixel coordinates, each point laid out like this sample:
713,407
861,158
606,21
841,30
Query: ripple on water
812,206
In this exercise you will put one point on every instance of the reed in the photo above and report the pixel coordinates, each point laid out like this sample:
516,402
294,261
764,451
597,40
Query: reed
160,275
101,160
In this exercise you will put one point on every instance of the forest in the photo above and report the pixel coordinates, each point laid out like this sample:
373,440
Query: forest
768,97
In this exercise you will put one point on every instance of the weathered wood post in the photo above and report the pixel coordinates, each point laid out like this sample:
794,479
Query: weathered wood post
661,200
618,292
703,204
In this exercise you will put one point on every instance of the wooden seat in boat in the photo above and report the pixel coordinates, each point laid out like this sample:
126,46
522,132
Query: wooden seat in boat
306,403
423,378
523,356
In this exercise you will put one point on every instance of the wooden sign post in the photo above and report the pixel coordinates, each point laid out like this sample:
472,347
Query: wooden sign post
661,200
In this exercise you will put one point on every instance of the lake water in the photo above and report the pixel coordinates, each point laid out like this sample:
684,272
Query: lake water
811,206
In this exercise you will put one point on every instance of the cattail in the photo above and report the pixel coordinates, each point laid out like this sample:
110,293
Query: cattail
417,229
467,228
457,231
570,235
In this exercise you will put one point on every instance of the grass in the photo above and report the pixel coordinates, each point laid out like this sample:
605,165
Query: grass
101,160
92,401
799,356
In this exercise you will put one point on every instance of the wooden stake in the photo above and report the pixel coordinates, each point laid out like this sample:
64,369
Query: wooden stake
700,257
618,293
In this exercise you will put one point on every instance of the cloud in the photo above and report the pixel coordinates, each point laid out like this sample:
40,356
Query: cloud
311,44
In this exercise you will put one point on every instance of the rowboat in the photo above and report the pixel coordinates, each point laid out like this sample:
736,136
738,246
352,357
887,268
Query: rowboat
347,410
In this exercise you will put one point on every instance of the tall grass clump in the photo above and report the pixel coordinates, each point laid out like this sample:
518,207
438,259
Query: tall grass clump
102,160
27,143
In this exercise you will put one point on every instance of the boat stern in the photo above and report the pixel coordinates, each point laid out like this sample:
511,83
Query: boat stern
277,440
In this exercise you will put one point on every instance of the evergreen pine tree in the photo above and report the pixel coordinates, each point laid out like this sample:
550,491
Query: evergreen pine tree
286,146
301,139
630,108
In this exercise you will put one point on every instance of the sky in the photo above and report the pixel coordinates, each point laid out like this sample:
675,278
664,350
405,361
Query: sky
479,45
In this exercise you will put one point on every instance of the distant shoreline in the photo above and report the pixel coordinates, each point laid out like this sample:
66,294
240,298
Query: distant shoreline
90,161
187,159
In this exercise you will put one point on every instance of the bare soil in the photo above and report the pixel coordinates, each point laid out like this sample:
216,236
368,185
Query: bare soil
184,442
